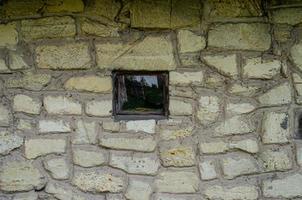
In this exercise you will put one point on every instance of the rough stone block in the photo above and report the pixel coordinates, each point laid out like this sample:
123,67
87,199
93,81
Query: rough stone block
138,189
247,192
88,156
85,133
100,108
235,125
62,57
189,41
166,134
275,128
62,105
226,64
9,142
243,90
186,78
135,163
257,68
207,169
54,126
147,126
93,28
247,145
180,107
177,155
240,36
49,27
20,176
57,167
4,116
72,6
43,146
16,62
208,109
292,16
275,160
273,97
26,196
239,108
89,83
27,104
164,196
213,147
8,35
295,52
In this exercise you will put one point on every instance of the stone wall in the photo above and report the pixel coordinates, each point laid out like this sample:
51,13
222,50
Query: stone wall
235,87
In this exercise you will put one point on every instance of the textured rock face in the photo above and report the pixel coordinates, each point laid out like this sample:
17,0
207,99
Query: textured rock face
89,84
8,142
9,35
237,192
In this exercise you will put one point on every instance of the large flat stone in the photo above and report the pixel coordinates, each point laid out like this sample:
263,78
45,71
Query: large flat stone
9,142
89,84
246,192
8,35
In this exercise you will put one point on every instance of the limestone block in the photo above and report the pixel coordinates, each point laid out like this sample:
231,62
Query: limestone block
243,90
135,163
213,147
93,28
9,142
207,169
189,41
57,167
164,196
273,97
147,126
85,132
89,83
166,134
17,62
22,8
287,187
275,160
296,52
299,155
152,53
30,81
115,197
49,27
8,35
98,180
186,78
247,192
59,190
208,109
239,165
257,68
128,142
20,176
4,116
26,196
225,64
177,156
54,126
247,145
111,126
239,108
240,36
24,125
106,9
62,105
88,156
138,190
62,57
177,182
180,107
235,125
27,104
290,16
43,146
275,127
3,66
72,6
100,108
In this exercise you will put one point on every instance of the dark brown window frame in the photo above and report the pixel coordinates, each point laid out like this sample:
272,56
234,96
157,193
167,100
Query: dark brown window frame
123,115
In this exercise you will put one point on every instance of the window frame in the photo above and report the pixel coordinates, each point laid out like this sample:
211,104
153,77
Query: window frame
124,115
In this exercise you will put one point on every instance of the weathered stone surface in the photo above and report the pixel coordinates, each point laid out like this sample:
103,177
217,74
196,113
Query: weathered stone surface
88,156
189,41
89,83
207,169
9,142
72,6
177,182
3,66
111,126
60,191
26,196
165,14
27,104
258,68
98,180
275,160
287,187
128,142
247,145
247,192
213,147
208,109
153,53
8,35
180,107
177,156
115,197
163,196
186,78
239,108
239,165
43,146
299,155
166,134
16,62
62,105
240,36
106,9
63,56
275,128
235,125
290,16
21,8
54,126
296,52
4,116
282,32
224,64
58,168
100,108
91,27
30,81
138,190
273,97
243,90
135,163
49,27
20,176
85,133
24,125
147,126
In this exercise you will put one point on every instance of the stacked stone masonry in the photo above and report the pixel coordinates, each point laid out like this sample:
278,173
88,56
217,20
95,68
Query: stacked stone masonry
235,87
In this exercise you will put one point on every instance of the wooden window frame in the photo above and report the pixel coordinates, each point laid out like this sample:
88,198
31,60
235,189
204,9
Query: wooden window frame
124,115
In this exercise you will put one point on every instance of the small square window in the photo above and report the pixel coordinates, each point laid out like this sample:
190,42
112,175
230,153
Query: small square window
140,95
